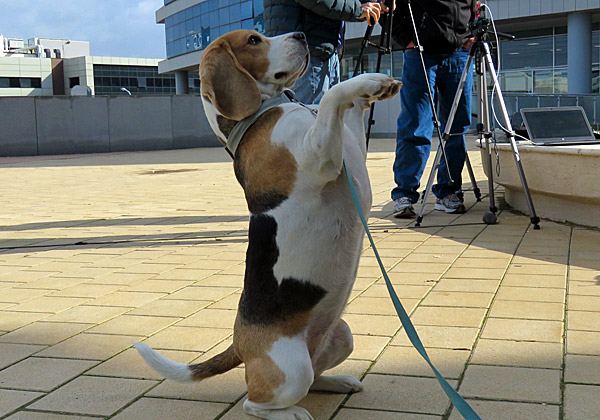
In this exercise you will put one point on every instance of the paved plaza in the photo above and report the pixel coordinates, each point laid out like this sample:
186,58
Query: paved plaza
100,251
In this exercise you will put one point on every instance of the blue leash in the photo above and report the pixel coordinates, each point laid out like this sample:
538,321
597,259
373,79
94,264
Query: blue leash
459,402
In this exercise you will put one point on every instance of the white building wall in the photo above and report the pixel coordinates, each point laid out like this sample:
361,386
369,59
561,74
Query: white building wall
27,67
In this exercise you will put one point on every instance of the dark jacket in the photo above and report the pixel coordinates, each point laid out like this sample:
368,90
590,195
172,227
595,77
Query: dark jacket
320,20
443,26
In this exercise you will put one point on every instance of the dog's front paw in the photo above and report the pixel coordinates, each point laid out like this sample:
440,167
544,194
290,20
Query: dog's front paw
377,86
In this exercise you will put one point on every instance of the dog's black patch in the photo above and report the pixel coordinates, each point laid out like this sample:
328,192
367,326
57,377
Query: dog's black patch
263,299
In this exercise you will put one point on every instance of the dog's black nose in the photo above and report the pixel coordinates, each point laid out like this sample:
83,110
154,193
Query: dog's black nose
299,36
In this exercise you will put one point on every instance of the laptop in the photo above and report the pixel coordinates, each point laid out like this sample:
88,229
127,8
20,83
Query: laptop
556,126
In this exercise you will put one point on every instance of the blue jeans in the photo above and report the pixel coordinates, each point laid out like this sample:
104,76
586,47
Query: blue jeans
319,77
415,123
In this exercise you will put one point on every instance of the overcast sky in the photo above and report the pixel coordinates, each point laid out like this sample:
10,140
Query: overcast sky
118,28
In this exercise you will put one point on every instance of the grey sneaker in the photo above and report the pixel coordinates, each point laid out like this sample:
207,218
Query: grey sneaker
450,204
403,208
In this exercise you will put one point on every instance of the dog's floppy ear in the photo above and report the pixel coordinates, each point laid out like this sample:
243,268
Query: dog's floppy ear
228,86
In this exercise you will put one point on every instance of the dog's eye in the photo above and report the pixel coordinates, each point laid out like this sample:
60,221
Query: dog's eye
254,40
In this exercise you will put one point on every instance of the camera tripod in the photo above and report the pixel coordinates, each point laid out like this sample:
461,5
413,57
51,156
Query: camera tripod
480,53
383,48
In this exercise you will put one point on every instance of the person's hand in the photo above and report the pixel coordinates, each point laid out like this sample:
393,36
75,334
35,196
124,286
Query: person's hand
371,11
468,43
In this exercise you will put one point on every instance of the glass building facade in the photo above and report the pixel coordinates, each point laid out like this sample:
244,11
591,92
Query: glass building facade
536,62
195,27
139,80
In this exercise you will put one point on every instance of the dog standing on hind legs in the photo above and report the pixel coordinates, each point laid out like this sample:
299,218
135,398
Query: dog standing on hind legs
305,237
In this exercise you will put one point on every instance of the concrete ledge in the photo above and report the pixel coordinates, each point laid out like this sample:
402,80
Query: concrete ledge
564,181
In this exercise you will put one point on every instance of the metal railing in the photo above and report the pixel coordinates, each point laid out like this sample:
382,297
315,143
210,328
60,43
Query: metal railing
515,101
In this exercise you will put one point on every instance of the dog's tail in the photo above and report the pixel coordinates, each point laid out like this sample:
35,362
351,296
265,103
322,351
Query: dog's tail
180,372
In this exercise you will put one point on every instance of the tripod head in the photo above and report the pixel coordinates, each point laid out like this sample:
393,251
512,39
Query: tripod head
480,30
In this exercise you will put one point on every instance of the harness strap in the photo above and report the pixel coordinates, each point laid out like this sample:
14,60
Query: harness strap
238,131
461,405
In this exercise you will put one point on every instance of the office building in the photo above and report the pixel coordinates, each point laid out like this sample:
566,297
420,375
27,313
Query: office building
46,67
556,50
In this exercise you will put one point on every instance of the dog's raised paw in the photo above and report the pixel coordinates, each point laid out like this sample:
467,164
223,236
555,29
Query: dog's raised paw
376,86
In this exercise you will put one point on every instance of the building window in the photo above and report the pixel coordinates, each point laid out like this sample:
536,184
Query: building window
20,82
47,53
57,53
73,81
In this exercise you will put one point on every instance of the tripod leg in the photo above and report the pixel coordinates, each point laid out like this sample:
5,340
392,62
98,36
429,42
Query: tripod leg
535,220
436,163
476,190
485,133
444,139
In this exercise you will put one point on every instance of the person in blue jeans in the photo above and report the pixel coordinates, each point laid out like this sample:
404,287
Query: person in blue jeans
323,23
445,36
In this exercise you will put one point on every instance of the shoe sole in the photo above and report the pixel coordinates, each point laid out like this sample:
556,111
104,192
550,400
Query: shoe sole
459,210
406,213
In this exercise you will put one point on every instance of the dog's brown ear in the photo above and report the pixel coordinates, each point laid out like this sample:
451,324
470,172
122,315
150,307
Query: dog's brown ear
228,86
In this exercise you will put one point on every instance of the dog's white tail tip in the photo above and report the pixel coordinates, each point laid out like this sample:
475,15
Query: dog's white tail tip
171,370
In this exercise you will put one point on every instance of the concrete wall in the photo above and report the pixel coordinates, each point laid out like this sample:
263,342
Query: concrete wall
62,125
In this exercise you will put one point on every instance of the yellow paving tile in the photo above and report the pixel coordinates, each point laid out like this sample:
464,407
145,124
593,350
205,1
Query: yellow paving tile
452,317
532,294
358,414
581,402
583,303
125,299
86,290
529,310
87,314
512,384
401,393
447,337
34,415
201,293
210,318
186,338
378,306
458,299
472,285
12,320
407,361
521,329
518,353
49,304
532,280
44,333
583,342
585,321
368,347
12,353
504,410
41,373
159,409
11,400
133,325
93,395
89,346
582,369
367,324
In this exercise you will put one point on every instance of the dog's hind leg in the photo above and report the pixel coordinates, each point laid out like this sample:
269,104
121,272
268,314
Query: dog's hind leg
279,380
335,349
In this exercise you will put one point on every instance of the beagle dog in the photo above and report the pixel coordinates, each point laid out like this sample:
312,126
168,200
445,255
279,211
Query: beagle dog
305,235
